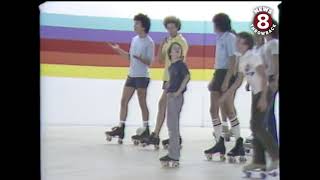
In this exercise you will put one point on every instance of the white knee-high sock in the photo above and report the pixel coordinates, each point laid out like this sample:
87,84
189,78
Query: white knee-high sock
217,128
235,126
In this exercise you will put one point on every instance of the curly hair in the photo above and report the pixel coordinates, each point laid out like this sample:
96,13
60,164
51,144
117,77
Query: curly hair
145,21
172,19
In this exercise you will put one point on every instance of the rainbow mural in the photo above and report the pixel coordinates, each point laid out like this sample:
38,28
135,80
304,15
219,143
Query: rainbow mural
75,46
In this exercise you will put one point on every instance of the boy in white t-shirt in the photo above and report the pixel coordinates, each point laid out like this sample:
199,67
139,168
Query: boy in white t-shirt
252,68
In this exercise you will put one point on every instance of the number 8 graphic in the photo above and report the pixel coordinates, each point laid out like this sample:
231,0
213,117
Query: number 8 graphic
263,21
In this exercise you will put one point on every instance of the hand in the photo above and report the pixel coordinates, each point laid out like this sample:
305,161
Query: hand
164,41
113,45
247,87
224,86
262,104
138,57
273,86
176,94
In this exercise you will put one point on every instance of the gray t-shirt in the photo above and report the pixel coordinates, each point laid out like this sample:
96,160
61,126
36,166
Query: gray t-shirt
225,47
140,46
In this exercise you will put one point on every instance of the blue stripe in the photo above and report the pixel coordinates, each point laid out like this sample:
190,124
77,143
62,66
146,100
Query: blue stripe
126,24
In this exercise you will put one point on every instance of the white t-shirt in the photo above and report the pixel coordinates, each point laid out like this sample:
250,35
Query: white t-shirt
140,46
270,48
248,63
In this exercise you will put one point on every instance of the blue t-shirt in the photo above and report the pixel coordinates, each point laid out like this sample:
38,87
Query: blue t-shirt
225,47
177,72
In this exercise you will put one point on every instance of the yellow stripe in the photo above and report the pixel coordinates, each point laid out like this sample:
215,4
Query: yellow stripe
55,70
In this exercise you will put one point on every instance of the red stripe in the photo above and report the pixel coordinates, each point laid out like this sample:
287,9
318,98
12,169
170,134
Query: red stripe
103,48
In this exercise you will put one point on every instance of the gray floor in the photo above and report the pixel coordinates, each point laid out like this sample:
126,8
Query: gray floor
81,153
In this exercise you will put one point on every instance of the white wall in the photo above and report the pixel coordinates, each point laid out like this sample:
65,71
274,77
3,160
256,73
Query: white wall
77,101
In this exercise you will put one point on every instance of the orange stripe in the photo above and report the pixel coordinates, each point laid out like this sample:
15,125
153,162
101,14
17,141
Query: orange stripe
52,57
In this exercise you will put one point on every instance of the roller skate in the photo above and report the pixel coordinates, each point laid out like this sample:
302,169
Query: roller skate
272,168
219,147
140,134
253,170
117,131
165,143
248,144
166,161
152,139
237,150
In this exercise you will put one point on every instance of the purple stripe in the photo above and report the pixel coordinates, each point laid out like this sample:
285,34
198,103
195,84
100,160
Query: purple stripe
51,32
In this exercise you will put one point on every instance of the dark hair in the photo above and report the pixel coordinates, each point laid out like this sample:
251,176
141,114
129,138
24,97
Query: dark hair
145,21
275,32
172,19
222,22
247,37
170,47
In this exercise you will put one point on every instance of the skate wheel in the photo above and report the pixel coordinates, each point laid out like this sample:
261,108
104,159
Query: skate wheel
136,142
274,174
248,174
247,151
120,141
109,138
143,145
263,175
227,139
156,147
222,157
175,164
242,159
165,146
164,163
209,157
231,160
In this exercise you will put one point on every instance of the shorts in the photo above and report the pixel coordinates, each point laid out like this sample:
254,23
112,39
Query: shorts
137,82
218,78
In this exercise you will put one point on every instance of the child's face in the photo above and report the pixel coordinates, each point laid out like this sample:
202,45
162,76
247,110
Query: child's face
216,29
138,27
175,52
171,28
241,45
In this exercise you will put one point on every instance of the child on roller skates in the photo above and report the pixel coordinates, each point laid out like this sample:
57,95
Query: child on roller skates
140,56
179,77
172,25
252,68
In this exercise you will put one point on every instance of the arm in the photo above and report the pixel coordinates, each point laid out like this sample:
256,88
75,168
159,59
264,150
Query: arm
262,104
149,53
161,55
185,47
233,88
183,84
230,72
120,51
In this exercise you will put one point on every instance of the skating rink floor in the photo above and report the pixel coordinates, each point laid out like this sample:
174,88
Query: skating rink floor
82,153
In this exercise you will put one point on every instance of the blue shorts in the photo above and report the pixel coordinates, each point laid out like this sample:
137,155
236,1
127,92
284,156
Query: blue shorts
137,82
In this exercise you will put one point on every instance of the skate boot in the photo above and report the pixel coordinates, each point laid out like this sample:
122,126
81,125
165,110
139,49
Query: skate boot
253,168
248,144
237,150
117,131
152,139
165,143
166,161
273,166
140,134
219,147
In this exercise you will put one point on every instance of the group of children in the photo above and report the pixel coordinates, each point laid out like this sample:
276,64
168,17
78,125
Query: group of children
236,58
